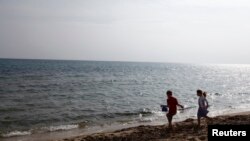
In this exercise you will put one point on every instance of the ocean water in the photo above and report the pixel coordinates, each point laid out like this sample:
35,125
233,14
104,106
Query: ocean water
39,96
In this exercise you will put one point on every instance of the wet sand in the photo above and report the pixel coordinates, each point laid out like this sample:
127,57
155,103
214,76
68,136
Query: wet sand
184,130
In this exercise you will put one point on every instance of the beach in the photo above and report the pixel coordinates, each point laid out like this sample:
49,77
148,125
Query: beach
184,130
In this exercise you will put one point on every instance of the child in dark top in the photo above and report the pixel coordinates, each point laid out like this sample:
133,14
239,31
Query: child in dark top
172,104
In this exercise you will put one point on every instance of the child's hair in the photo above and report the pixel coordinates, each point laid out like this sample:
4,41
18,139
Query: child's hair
169,92
199,91
204,94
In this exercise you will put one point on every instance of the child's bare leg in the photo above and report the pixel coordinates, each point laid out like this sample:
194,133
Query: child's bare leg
199,121
169,120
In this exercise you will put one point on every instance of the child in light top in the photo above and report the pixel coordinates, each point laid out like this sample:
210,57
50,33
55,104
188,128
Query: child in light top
203,105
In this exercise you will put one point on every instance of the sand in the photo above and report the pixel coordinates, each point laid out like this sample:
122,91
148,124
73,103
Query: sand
184,130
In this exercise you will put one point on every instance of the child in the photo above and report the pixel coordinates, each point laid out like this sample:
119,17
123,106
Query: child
171,103
202,111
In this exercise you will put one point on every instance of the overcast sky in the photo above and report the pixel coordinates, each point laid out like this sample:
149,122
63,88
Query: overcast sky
188,31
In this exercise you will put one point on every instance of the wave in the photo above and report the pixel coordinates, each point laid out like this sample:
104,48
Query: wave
41,130
144,112
11,109
61,127
16,133
140,115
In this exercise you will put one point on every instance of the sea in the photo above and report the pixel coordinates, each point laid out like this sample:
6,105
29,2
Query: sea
46,96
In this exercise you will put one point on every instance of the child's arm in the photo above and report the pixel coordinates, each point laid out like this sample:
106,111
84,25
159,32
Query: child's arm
206,103
180,106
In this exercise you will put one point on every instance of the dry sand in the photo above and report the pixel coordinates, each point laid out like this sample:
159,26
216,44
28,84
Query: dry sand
185,130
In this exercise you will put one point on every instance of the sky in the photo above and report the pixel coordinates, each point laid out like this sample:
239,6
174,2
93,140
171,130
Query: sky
183,31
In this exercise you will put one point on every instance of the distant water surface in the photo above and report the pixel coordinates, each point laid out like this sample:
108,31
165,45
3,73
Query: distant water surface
47,95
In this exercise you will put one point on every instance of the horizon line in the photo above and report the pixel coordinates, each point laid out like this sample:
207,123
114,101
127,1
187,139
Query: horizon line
54,59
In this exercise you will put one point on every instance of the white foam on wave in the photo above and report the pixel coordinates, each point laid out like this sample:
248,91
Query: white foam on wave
151,118
62,127
158,113
49,129
17,133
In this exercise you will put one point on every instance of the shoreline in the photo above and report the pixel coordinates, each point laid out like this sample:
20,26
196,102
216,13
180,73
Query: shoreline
183,130
147,131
